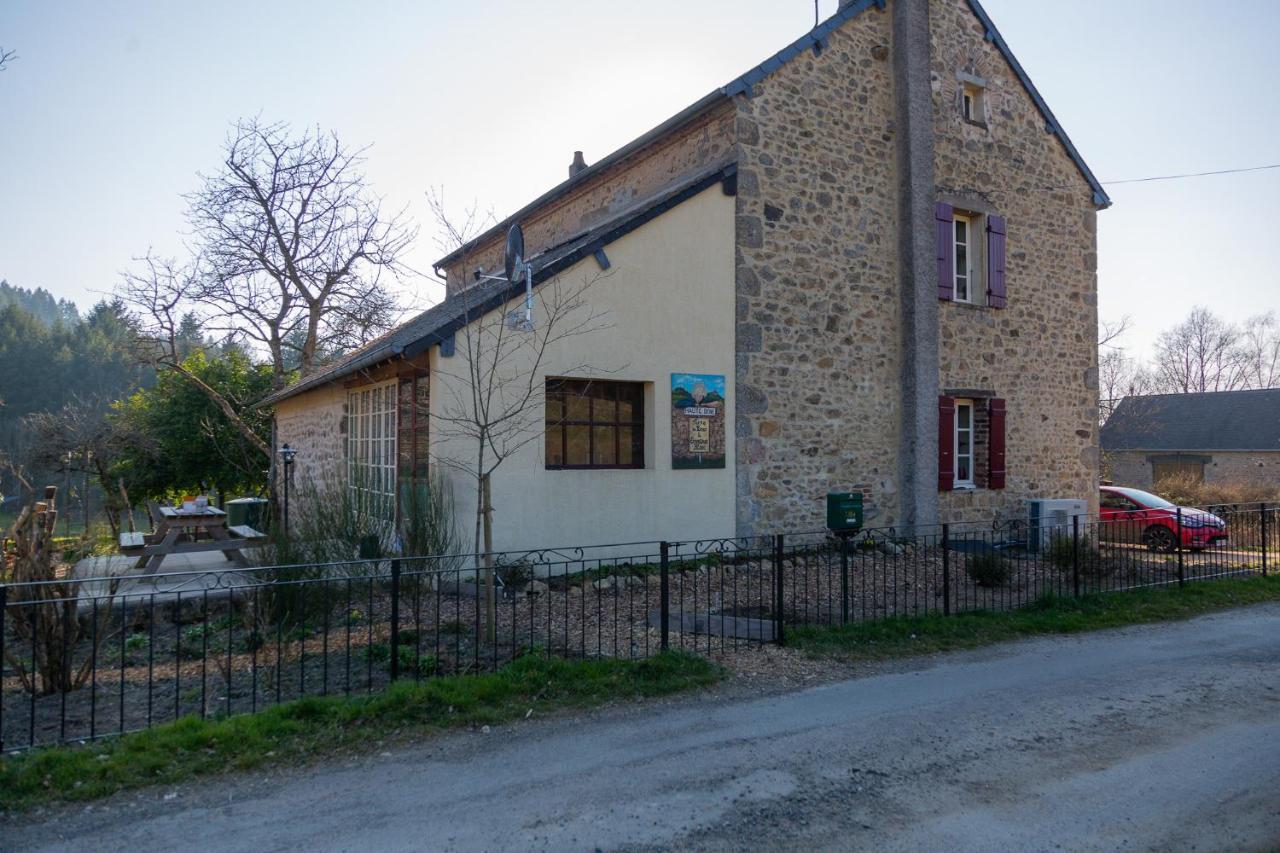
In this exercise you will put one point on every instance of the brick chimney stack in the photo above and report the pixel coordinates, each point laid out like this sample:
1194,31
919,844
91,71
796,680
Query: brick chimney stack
577,165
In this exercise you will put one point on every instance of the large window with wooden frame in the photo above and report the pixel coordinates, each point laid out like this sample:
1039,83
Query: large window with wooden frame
592,424
371,449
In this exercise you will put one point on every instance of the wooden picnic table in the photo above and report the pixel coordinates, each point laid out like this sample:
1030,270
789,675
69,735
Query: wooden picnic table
178,531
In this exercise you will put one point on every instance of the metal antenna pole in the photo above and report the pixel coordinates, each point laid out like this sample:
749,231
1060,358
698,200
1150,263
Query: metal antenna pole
528,297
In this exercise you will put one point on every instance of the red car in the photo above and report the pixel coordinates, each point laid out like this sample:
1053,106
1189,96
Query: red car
1132,515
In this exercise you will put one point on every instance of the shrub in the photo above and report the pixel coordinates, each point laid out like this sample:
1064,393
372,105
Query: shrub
1189,490
988,570
1060,553
410,662
514,574
136,642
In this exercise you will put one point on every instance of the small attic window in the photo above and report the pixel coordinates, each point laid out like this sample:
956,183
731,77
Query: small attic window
972,104
973,99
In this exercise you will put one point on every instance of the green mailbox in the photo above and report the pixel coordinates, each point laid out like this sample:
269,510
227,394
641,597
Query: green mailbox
844,511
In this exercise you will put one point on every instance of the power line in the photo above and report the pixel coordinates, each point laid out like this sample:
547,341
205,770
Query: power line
1192,175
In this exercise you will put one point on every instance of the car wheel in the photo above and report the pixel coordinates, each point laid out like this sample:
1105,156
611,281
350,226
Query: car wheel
1161,539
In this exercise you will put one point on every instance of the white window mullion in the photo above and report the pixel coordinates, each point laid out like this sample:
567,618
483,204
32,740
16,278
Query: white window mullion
371,433
964,444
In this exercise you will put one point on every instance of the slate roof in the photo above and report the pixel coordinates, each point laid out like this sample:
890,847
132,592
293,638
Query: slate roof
439,323
744,84
1223,420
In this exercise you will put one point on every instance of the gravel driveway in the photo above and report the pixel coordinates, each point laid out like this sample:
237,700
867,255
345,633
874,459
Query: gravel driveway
1159,737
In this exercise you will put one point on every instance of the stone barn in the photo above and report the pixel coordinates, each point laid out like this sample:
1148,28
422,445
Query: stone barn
1224,437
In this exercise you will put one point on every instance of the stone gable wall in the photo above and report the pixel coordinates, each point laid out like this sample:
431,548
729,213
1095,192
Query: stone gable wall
703,143
817,285
1040,352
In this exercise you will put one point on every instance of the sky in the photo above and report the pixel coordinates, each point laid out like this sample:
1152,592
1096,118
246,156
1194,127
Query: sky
112,110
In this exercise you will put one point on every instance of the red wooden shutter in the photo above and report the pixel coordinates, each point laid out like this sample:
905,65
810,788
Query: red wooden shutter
943,215
946,443
995,261
995,447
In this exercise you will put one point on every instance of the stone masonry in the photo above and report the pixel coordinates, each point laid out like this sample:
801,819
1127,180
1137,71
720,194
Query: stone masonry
820,356
818,308
1039,353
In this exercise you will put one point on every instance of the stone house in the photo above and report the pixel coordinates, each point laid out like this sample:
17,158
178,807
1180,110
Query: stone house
874,255
1219,437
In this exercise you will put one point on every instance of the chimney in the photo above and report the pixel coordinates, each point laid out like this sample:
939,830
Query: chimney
577,165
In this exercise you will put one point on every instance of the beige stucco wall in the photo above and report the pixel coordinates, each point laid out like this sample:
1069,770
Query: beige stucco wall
668,300
1040,352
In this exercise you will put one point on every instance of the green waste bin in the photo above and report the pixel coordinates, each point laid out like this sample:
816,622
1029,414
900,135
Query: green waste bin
248,512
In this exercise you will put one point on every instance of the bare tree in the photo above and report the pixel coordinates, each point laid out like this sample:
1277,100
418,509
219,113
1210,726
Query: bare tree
291,252
1260,346
1110,332
80,439
7,56
1119,375
159,293
292,239
1202,353
495,384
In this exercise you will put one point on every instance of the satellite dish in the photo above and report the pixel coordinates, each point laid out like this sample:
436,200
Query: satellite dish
515,254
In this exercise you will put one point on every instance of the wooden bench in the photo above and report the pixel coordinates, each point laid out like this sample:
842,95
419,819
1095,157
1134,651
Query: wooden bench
244,531
132,542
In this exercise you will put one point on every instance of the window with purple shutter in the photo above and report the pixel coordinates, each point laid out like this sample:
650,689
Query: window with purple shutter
995,451
946,443
943,214
995,261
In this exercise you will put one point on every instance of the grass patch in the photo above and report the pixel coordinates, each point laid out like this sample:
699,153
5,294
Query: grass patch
296,731
906,636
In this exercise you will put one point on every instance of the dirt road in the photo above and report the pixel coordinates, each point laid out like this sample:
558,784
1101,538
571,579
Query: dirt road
1162,737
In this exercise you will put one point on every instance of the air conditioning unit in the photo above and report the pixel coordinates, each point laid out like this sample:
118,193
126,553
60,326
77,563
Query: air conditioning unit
1050,517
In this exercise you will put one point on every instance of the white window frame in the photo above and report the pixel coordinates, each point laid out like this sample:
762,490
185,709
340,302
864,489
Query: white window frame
371,448
967,274
958,481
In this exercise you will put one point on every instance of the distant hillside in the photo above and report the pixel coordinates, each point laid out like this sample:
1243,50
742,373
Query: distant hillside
40,304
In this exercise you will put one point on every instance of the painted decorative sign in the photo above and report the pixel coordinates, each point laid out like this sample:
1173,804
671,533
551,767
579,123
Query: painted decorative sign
697,420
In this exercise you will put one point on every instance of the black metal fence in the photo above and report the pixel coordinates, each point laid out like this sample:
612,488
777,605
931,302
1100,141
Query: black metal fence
88,657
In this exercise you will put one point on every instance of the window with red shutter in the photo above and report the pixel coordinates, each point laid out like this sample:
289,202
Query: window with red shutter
996,238
996,443
943,215
946,443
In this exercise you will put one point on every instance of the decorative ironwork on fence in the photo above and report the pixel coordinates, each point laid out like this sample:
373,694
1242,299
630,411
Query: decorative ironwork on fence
87,658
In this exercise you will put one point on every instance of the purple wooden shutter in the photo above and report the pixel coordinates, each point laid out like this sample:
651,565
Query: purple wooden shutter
995,261
995,452
943,218
946,443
